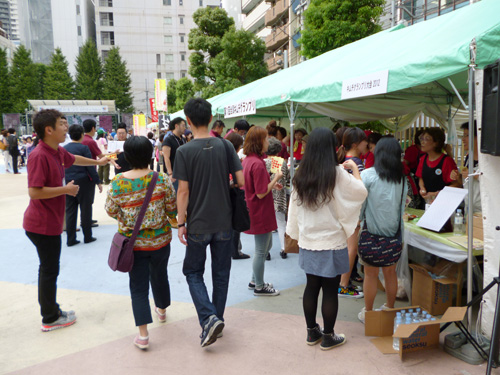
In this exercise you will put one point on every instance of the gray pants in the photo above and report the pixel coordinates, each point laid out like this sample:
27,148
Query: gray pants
263,243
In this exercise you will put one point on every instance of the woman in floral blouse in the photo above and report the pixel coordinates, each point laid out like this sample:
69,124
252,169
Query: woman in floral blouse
152,247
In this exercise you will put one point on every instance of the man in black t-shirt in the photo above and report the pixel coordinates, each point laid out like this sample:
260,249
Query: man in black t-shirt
202,169
170,145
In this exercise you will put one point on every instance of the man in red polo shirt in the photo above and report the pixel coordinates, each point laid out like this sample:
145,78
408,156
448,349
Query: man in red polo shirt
43,219
89,126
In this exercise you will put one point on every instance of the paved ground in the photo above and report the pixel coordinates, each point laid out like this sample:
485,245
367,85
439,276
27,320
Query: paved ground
262,336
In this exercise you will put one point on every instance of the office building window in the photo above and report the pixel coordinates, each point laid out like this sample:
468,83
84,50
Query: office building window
79,30
158,75
108,38
181,20
180,2
158,59
169,76
183,74
106,3
106,19
182,38
167,20
167,39
167,2
169,57
201,3
183,57
77,10
104,53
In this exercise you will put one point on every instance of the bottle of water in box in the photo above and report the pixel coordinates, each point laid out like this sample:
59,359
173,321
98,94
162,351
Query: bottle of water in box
395,340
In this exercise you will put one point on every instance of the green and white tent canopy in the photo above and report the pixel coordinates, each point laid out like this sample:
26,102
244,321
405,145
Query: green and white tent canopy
419,59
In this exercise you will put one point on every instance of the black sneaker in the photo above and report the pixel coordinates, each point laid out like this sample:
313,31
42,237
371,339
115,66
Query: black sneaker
211,330
268,256
251,285
283,255
266,291
314,335
331,340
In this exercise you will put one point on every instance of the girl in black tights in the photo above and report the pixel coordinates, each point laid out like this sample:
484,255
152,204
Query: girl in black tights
324,212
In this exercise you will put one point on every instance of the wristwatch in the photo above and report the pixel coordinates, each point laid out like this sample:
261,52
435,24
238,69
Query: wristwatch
181,225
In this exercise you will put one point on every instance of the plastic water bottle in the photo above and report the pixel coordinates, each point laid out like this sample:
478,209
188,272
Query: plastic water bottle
403,313
419,313
425,313
458,227
395,340
415,318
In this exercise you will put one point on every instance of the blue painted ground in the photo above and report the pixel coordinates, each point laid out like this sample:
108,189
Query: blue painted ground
84,266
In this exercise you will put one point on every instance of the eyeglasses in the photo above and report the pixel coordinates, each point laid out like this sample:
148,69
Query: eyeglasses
425,139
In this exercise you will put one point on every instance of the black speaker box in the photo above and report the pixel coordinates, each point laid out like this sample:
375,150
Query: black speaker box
490,127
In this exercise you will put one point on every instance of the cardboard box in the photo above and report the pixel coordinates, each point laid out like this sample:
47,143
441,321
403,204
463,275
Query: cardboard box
477,224
434,295
412,337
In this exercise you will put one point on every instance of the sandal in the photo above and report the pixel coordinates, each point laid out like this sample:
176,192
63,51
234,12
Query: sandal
357,279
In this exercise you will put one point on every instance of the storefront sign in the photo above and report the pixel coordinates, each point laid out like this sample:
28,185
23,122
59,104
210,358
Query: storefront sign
76,108
243,108
370,84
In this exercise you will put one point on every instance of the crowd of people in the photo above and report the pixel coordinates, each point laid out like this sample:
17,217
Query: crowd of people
347,184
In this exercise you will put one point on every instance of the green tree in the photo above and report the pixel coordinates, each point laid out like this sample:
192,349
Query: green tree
331,24
241,60
117,82
41,73
171,95
184,91
24,84
58,83
88,81
5,98
223,57
206,39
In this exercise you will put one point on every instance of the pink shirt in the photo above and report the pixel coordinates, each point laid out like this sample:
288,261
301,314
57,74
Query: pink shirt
262,215
46,169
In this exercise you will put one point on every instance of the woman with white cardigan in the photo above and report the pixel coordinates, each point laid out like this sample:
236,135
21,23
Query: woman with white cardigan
324,212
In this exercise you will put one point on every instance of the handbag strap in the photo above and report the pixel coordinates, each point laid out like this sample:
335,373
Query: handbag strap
144,207
228,156
402,195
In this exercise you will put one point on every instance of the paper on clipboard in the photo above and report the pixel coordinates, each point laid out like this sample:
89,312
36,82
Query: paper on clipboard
115,146
442,208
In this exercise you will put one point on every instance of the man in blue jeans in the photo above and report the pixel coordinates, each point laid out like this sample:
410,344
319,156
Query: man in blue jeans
202,169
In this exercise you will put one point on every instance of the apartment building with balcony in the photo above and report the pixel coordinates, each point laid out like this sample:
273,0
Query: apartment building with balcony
253,14
413,11
153,40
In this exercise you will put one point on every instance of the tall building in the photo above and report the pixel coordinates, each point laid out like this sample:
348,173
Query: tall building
413,11
48,24
253,14
153,40
233,9
9,19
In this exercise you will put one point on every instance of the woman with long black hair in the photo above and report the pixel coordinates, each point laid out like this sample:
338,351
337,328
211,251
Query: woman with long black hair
383,213
323,213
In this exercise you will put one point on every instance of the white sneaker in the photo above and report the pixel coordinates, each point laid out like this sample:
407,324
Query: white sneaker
384,307
361,315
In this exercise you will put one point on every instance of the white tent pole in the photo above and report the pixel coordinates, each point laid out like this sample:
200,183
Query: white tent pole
291,117
470,166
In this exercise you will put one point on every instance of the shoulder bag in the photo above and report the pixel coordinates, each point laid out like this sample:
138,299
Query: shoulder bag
121,254
241,218
380,251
